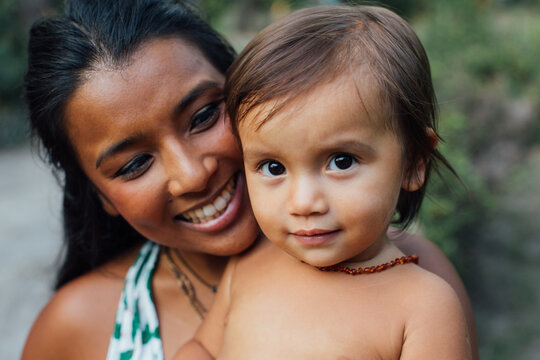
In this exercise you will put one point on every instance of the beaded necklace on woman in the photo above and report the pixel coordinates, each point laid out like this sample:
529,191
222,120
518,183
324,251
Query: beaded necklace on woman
184,282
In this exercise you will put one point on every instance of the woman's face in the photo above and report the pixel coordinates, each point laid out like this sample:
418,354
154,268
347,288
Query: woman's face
154,139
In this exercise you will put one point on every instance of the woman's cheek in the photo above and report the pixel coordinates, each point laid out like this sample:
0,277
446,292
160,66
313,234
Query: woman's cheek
140,200
224,141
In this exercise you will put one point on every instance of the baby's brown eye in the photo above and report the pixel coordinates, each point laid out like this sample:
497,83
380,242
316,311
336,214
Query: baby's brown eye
341,162
272,168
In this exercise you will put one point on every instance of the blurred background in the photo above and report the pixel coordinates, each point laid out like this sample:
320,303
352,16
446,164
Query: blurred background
485,57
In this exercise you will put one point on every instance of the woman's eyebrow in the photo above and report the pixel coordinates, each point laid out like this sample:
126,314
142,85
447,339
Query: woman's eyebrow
119,146
181,106
193,94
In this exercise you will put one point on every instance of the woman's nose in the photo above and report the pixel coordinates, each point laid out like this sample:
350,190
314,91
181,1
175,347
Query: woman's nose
306,197
189,172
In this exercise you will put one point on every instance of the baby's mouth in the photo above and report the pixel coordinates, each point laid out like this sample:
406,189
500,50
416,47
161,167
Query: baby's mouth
214,209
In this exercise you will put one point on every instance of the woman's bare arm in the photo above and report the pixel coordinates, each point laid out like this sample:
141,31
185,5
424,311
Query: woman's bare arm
77,322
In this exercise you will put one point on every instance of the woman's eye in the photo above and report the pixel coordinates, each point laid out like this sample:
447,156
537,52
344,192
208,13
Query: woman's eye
272,168
135,167
206,117
341,162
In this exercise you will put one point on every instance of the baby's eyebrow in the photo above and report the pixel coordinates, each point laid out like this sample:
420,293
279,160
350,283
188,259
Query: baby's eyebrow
357,146
354,146
250,154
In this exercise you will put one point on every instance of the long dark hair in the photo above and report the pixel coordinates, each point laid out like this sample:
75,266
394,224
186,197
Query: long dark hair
60,51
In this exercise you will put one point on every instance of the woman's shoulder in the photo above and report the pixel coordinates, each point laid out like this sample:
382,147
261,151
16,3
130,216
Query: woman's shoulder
431,258
79,319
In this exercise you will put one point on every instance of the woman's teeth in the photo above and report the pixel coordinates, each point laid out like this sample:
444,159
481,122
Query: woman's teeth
213,210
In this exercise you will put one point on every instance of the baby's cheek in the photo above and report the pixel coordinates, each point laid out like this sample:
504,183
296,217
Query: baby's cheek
269,222
264,219
368,211
269,207
257,190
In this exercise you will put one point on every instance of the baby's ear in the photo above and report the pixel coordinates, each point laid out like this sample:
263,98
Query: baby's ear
416,175
107,204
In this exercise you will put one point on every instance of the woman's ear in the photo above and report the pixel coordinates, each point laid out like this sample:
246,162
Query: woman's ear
107,204
417,175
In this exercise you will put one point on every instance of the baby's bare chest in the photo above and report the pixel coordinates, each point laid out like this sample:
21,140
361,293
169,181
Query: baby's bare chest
306,319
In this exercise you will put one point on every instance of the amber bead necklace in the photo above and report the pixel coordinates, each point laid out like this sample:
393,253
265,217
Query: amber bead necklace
370,269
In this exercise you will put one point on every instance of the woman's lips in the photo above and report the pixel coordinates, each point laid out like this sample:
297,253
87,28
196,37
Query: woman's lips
215,208
314,237
222,218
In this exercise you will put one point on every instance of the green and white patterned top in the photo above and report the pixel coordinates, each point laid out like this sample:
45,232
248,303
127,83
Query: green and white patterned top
136,332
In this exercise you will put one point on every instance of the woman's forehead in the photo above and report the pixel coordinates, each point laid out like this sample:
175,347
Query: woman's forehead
155,80
154,61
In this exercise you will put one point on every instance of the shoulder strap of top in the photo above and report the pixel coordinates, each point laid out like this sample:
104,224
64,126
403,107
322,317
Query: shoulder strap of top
136,331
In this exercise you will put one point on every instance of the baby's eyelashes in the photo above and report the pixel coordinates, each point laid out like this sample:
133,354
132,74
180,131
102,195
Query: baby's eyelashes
341,161
272,168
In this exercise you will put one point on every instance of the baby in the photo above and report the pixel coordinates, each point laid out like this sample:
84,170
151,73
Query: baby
335,111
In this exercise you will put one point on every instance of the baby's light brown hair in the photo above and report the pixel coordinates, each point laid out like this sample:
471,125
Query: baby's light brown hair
317,45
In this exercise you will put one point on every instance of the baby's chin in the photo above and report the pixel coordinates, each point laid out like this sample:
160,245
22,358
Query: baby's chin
318,257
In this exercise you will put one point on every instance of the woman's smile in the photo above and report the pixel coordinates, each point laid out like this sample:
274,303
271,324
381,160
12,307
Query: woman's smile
218,213
213,209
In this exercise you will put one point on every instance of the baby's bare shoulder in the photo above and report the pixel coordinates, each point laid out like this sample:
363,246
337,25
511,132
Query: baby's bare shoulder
423,288
434,320
430,305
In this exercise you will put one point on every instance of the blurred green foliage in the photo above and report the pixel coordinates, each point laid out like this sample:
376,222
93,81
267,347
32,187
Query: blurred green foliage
484,63
12,67
16,17
12,51
484,58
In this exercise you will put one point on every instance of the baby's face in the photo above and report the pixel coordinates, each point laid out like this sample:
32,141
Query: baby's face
324,176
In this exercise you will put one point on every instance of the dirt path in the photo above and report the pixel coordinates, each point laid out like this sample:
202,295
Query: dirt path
30,241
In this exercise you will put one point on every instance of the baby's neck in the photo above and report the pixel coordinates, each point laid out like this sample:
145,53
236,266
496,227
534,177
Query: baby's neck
377,254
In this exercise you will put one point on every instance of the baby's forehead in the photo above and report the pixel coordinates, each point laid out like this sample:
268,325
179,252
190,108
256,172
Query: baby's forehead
354,96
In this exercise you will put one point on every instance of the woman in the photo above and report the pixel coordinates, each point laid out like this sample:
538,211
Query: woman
126,97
